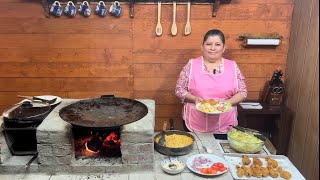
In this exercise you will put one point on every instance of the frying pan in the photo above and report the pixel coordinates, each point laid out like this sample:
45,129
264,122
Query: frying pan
173,151
26,114
104,112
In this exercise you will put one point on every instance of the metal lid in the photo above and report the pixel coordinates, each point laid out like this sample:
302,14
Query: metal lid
26,110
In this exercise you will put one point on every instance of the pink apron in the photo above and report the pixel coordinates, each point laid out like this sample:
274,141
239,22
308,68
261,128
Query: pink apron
207,86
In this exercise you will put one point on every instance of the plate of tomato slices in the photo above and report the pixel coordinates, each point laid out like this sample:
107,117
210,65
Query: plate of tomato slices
207,164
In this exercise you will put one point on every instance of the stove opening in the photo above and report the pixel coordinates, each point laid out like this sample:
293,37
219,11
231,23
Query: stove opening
93,143
21,141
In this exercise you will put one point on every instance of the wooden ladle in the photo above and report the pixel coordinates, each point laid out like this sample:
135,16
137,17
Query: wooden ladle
174,29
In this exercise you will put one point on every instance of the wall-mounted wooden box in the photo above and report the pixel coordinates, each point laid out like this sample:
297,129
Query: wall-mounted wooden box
262,39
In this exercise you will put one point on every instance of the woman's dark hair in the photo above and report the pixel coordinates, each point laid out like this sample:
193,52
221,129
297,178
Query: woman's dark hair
214,32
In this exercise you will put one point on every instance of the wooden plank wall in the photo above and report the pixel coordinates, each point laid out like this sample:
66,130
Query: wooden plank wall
86,57
302,84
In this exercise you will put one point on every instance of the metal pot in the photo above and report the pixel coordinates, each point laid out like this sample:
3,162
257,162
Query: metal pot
173,151
26,114
104,112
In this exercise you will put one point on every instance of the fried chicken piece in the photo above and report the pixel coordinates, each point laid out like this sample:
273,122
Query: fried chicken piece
247,171
270,167
273,173
273,163
285,174
257,161
245,160
212,102
257,171
240,171
205,101
255,166
279,169
264,171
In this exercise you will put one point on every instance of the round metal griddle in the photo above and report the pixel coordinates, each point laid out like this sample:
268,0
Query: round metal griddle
103,112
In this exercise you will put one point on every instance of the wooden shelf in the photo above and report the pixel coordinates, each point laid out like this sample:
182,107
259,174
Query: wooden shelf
260,39
150,1
215,4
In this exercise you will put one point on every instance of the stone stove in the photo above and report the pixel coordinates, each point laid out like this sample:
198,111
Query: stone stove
56,149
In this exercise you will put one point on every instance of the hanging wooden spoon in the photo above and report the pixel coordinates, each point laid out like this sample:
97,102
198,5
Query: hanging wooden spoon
187,29
159,27
174,29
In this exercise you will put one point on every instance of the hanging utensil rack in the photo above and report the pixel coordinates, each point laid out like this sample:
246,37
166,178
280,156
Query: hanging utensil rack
215,3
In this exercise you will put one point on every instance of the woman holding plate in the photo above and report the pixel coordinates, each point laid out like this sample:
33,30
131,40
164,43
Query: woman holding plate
210,76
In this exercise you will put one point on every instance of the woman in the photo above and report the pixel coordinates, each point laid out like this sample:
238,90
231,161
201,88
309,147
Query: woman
210,76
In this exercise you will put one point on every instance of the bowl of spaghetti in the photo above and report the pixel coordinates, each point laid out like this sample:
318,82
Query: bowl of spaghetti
177,143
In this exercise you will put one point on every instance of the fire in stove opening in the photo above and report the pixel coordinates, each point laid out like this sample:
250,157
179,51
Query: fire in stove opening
97,143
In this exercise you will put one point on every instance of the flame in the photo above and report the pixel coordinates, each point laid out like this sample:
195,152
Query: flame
109,140
88,150
112,137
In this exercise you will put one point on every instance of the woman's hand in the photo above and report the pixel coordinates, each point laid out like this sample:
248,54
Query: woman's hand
194,99
235,99
197,99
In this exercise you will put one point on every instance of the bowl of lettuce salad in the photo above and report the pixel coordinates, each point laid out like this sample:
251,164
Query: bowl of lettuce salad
244,142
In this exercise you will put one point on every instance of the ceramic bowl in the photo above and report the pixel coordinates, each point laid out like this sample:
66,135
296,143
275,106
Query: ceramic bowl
241,144
165,165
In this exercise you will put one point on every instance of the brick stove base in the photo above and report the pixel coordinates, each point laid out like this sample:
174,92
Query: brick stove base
56,148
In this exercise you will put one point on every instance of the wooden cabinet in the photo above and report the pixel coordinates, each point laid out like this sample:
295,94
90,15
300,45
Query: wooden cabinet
272,120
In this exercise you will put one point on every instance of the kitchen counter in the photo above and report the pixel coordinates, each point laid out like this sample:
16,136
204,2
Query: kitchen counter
207,140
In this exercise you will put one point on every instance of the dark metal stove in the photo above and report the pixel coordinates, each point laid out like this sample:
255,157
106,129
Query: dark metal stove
20,135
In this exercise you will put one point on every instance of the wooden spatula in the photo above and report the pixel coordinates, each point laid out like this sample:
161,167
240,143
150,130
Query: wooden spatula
187,29
159,27
174,29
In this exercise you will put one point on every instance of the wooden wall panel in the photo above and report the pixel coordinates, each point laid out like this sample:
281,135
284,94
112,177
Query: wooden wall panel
164,56
173,70
63,55
236,11
178,43
54,69
66,84
65,26
87,57
302,84
232,27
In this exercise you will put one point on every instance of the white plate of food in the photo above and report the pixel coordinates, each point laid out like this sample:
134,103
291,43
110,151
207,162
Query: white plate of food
211,106
207,164
48,98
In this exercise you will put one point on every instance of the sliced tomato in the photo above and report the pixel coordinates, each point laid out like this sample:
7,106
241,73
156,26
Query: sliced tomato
208,171
221,108
204,170
215,167
212,171
219,164
222,169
